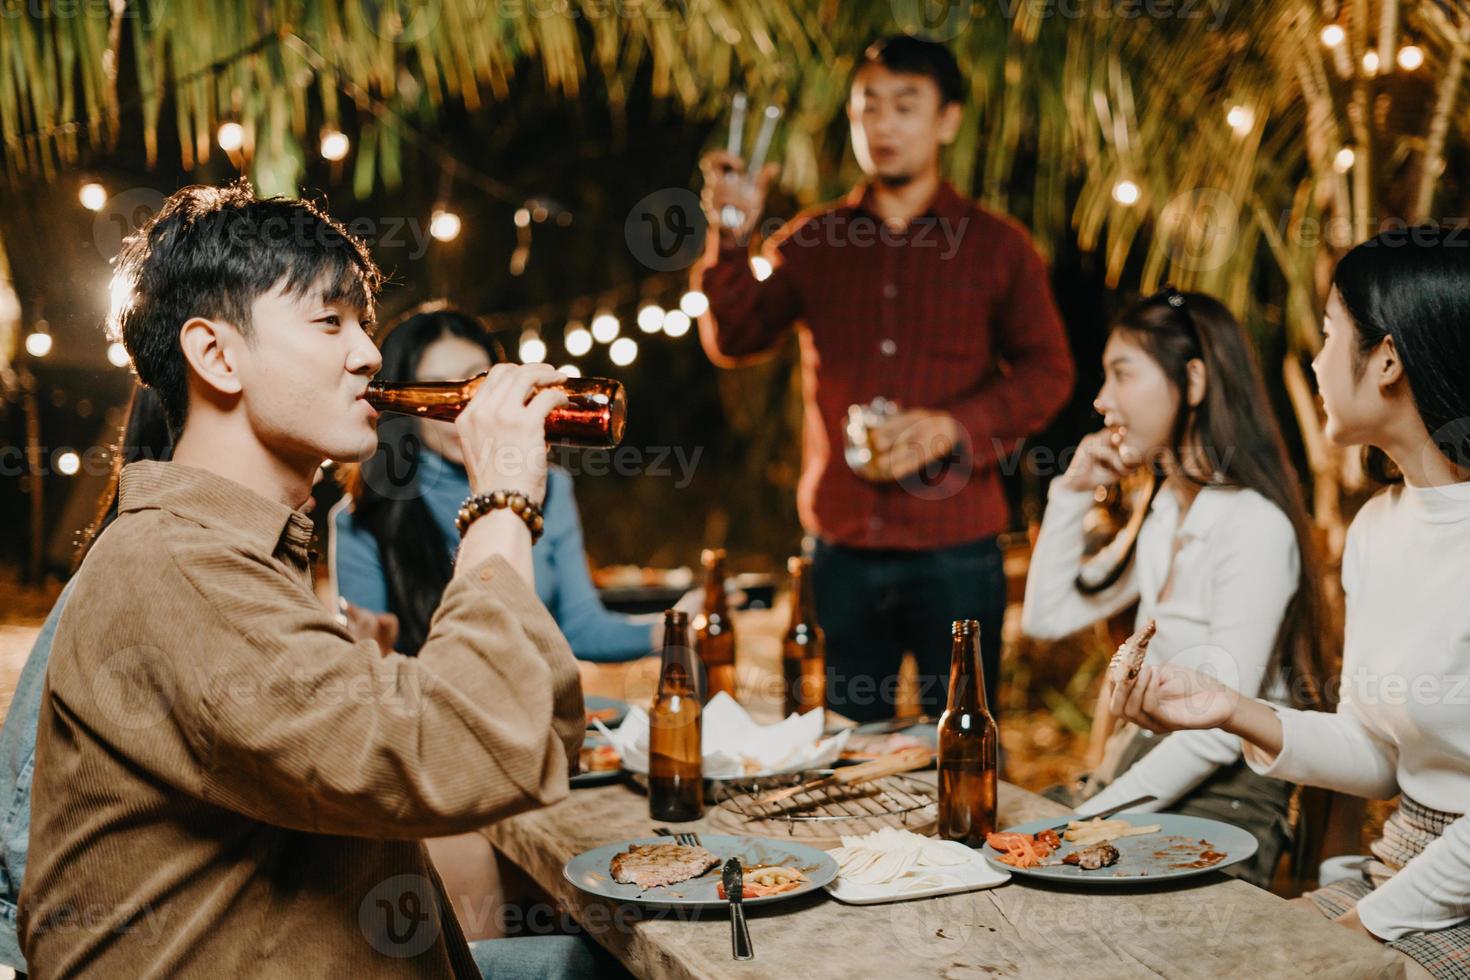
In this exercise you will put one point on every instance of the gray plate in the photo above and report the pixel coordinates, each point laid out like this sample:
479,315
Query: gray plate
596,702
600,777
1163,856
590,872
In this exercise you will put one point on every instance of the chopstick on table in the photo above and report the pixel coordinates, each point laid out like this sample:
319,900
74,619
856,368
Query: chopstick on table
888,765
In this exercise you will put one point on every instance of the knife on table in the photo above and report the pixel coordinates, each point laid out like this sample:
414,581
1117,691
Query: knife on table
734,877
1112,811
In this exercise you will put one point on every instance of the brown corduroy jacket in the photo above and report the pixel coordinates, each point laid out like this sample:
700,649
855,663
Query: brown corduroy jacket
227,784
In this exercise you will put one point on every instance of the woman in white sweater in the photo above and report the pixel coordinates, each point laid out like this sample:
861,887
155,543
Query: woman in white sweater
1394,374
1222,560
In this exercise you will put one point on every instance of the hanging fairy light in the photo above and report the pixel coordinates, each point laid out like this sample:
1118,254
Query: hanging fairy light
624,351
68,463
444,225
38,341
532,348
335,145
523,217
117,354
1370,63
694,303
1333,35
231,137
1241,118
570,370
93,196
578,339
1344,160
761,267
605,328
1410,57
676,323
1126,193
651,318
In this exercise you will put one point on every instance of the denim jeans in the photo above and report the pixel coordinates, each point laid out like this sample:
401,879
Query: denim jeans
875,605
544,958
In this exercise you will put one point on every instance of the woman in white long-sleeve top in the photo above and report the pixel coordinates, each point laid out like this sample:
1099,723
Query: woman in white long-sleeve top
1394,374
1222,559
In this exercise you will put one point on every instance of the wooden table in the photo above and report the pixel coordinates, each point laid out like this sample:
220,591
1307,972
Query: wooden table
1213,926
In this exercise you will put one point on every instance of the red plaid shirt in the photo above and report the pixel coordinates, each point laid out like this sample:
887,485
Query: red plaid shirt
954,313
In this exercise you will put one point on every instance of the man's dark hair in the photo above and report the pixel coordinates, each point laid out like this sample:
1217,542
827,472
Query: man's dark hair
906,55
209,252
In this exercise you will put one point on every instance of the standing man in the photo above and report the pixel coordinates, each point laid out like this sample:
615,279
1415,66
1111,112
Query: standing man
905,291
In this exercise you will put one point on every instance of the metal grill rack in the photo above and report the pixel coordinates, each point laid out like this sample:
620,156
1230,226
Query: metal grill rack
886,797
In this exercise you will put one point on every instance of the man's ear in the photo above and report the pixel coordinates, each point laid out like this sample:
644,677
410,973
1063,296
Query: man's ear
208,347
1199,382
950,118
1387,367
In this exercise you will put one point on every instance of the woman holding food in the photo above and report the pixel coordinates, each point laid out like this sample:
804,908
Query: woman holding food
1392,374
1222,561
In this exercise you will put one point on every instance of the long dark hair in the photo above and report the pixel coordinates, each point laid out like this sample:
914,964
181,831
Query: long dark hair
144,436
1234,432
1414,285
386,497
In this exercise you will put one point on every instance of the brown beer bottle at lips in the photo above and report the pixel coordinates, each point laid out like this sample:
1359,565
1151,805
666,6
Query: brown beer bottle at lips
714,633
594,417
804,648
675,752
969,745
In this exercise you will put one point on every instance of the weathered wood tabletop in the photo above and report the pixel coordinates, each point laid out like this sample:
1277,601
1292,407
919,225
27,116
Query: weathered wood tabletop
1213,926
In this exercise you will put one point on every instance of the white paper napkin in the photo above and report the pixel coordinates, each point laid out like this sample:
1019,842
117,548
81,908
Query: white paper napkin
735,745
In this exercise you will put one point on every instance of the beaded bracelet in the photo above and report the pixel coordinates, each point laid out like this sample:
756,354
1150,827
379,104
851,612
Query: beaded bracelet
477,505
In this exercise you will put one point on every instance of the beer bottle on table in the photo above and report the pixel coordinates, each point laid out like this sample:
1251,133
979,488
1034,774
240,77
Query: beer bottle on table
675,754
968,745
593,418
804,648
714,633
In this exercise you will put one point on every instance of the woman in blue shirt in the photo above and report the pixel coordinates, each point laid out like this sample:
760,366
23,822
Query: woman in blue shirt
393,536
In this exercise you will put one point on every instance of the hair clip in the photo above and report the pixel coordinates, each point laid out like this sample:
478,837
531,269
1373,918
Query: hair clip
1175,297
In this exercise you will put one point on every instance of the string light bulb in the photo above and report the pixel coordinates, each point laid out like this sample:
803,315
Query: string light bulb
68,463
624,351
676,323
38,343
117,354
1333,35
93,196
761,267
231,136
578,340
532,348
444,225
1126,192
1241,119
335,145
570,370
694,303
1410,57
605,328
1370,63
651,318
1344,160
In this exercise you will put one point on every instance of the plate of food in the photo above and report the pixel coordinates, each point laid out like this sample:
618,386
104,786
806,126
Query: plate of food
1127,849
609,711
598,763
660,871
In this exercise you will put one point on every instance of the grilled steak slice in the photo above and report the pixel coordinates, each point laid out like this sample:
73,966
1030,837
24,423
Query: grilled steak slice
652,865
1094,857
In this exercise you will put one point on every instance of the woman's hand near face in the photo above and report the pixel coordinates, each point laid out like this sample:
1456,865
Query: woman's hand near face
1102,459
1167,697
